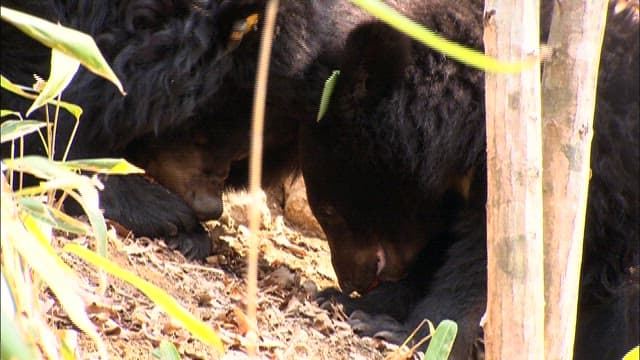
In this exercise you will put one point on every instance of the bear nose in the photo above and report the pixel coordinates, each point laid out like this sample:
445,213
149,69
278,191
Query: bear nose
347,287
361,279
208,207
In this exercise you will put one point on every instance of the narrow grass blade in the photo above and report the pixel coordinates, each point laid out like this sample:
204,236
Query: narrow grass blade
465,55
198,328
327,91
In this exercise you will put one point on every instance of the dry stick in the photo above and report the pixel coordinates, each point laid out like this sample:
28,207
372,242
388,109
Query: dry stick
255,169
568,89
514,326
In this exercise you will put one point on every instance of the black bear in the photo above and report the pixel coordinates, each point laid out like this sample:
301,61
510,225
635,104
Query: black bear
171,57
187,116
396,176
201,159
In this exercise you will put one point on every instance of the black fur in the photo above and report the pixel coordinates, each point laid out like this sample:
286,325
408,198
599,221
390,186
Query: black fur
385,167
171,56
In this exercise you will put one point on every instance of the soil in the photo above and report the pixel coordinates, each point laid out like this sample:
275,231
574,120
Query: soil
294,264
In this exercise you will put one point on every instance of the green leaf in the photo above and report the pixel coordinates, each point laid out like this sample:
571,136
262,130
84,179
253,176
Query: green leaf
6,293
22,236
104,166
634,354
62,178
166,351
75,110
329,85
442,341
61,284
465,55
5,112
14,129
68,41
42,233
44,168
90,202
63,69
68,344
53,217
198,328
12,345
8,85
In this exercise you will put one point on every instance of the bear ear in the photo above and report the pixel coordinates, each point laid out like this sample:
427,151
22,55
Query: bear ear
374,60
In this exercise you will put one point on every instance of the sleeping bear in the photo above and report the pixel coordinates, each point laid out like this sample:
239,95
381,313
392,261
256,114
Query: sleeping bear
209,154
171,57
396,175
190,79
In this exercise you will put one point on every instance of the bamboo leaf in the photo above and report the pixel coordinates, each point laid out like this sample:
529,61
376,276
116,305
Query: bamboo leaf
634,354
63,69
62,282
46,169
53,217
329,85
418,32
6,84
442,341
166,351
63,178
157,295
5,112
66,40
13,346
104,166
14,129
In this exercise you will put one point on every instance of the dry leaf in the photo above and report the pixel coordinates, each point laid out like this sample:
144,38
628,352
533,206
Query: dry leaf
241,321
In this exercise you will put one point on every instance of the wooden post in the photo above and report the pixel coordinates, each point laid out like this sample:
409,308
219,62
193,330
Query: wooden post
568,99
514,327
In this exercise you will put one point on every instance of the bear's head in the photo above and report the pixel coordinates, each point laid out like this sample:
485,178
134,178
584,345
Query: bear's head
373,165
193,164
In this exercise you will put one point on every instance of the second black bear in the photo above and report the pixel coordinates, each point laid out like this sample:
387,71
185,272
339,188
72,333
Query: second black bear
396,176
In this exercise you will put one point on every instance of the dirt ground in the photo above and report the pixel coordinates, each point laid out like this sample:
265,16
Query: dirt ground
294,264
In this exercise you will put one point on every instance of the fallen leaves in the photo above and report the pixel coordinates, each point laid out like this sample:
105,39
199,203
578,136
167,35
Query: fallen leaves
290,325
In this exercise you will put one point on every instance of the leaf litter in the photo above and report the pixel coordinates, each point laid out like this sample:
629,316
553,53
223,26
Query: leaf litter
294,263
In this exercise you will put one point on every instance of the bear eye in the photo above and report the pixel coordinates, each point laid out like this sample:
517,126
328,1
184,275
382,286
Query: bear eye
328,210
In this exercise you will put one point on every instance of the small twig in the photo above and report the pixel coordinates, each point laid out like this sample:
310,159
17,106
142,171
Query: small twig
255,167
203,268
